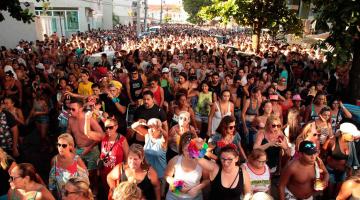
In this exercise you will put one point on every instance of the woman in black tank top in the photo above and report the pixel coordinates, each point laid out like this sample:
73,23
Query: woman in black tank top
227,180
138,170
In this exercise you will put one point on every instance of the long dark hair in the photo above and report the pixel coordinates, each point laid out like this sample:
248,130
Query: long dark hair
224,123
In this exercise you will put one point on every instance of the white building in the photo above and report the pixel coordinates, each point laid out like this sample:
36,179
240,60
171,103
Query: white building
62,16
66,17
122,11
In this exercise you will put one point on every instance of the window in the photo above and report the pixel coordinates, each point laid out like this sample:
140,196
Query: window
72,20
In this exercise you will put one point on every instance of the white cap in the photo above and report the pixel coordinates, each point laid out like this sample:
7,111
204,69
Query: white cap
350,129
40,66
165,70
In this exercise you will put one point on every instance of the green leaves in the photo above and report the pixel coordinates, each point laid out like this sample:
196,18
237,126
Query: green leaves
344,17
16,11
192,7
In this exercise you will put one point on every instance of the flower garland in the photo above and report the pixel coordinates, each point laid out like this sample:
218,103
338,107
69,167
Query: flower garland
195,152
177,186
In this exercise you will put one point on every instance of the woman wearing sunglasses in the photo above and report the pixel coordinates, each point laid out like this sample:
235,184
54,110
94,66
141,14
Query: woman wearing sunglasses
273,141
65,165
114,150
77,188
26,184
227,180
225,134
258,171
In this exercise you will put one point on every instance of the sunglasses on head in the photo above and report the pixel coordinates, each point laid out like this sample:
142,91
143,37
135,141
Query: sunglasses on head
276,125
62,145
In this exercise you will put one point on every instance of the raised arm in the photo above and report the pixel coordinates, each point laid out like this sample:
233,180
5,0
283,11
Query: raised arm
92,128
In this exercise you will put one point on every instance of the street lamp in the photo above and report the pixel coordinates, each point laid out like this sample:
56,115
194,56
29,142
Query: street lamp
161,10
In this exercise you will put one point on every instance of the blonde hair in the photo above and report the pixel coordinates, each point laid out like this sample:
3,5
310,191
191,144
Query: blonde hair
270,120
3,159
82,185
69,139
127,191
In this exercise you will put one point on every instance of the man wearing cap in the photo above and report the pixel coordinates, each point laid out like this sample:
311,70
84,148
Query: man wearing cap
298,177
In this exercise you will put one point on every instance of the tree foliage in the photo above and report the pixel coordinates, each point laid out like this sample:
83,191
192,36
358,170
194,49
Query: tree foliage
258,14
16,11
192,7
343,16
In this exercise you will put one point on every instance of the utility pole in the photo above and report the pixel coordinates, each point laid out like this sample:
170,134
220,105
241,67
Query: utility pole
138,30
161,11
145,17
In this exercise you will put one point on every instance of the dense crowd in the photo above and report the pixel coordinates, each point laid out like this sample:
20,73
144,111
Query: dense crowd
179,114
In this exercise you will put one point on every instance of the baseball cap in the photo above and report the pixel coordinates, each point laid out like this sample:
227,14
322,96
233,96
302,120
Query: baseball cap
349,128
296,97
307,147
165,70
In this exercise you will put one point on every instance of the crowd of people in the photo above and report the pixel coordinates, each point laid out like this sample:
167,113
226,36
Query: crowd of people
176,115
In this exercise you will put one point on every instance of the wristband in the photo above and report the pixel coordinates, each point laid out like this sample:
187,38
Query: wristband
115,100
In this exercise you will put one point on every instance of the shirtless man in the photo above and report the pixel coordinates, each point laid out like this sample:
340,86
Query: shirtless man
298,177
86,132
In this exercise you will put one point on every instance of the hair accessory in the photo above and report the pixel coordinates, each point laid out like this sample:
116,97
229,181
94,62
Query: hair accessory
177,186
195,152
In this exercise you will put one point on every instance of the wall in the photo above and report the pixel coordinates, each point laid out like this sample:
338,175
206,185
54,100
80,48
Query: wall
12,31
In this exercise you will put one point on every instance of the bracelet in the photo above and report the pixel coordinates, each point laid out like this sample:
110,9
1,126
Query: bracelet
115,100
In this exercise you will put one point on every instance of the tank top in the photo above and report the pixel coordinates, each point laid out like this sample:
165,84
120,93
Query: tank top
191,179
157,96
272,154
145,185
136,88
218,191
259,182
337,154
155,155
218,116
251,110
313,114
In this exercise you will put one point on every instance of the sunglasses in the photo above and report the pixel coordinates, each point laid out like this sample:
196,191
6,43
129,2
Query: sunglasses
12,178
72,109
231,127
62,145
110,127
276,125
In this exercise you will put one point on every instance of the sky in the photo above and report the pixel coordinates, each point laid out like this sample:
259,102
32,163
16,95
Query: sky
154,2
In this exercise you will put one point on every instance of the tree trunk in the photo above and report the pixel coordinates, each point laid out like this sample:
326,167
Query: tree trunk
256,37
354,85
